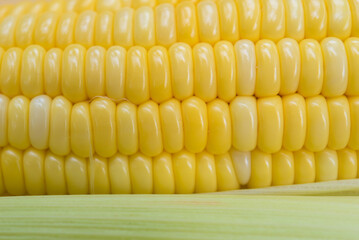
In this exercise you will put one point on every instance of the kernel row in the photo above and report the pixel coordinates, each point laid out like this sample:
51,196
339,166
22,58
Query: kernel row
224,71
208,21
102,127
37,172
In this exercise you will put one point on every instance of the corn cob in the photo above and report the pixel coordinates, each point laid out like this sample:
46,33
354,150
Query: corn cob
37,172
182,119
224,71
166,24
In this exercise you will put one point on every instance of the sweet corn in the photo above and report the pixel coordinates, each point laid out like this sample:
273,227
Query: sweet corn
146,23
38,172
263,69
177,97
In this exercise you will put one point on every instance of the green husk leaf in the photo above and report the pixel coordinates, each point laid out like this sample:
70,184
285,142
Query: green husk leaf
168,217
332,188
243,214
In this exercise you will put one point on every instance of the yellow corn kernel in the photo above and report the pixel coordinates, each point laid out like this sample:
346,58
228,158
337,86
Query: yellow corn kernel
294,19
270,124
317,124
246,67
139,3
65,29
205,82
228,16
180,55
38,7
195,124
166,1
98,175
206,178
4,105
144,27
70,5
12,169
107,5
261,169
5,10
115,65
20,8
268,69
18,122
219,127
311,75
244,123
103,119
159,74
184,169
81,130
119,172
172,125
326,165
335,67
73,73
45,30
7,31
10,72
25,29
339,122
141,174
115,73
149,129
123,27
315,19
242,165
226,175
186,20
283,168
354,123
249,12
295,122
273,19
54,167
347,164
56,6
127,131
354,7
86,5
352,50
59,139
34,178
31,77
137,83
163,176
289,56
165,21
208,21
104,29
52,72
304,166
39,121
85,28
225,69
339,18
95,71
2,187
76,174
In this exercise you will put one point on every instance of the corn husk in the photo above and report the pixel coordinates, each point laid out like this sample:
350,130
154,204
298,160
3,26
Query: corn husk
332,188
245,214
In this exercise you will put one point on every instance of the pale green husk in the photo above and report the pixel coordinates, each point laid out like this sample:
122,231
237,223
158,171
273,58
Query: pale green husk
198,216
